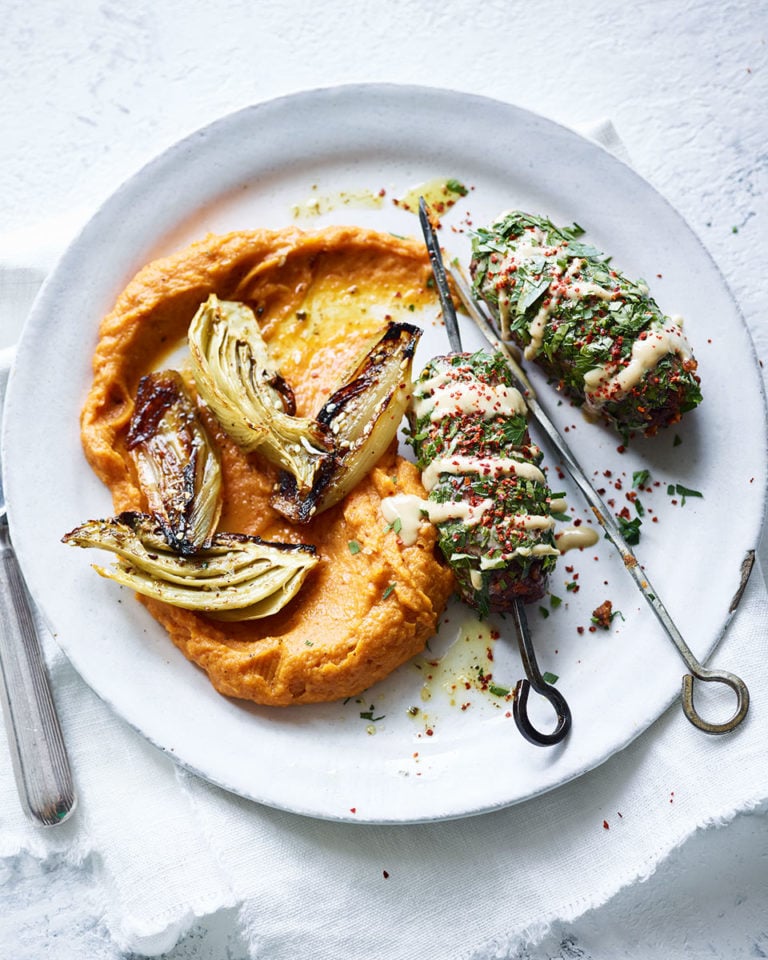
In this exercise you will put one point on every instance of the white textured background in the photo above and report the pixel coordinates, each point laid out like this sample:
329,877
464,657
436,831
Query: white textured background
91,90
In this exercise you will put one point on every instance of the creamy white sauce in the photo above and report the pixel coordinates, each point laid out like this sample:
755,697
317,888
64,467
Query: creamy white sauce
504,327
442,396
525,251
574,538
557,289
537,327
457,510
538,550
533,521
484,466
408,509
530,248
413,511
596,377
585,288
606,383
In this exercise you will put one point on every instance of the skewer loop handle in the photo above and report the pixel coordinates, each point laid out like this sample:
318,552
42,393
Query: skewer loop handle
524,725
715,676
535,680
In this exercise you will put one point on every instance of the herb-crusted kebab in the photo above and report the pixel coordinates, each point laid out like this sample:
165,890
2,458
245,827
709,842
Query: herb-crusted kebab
487,494
598,333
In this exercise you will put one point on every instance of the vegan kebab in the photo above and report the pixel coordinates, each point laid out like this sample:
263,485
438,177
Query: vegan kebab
487,493
600,335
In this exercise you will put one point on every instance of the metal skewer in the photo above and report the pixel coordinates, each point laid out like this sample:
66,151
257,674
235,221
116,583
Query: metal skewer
534,678
613,533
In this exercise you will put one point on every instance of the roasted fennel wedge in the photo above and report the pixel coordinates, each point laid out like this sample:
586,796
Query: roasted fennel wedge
362,417
234,376
177,465
235,577
322,458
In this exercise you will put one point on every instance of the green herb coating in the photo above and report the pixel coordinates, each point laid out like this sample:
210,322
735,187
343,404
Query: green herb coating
564,303
497,559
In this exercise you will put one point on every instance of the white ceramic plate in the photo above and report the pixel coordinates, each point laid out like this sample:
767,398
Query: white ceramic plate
252,169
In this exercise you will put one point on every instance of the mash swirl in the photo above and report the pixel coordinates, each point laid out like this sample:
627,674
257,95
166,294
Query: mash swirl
372,602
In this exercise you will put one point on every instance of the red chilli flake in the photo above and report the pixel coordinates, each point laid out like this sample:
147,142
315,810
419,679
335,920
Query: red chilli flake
385,874
606,826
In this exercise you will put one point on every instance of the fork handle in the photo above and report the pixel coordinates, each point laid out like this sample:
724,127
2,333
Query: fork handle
39,756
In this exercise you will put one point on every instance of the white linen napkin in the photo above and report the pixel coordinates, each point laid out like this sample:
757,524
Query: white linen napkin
165,847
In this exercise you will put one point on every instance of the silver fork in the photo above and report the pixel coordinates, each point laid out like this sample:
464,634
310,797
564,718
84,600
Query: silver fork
39,756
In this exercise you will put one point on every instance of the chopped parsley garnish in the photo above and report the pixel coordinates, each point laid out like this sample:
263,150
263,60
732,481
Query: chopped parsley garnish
354,547
388,591
640,478
544,612
456,186
554,601
686,492
368,715
498,691
548,677
396,526
630,530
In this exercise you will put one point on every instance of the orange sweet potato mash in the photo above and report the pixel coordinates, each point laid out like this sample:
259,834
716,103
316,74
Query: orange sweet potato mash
321,297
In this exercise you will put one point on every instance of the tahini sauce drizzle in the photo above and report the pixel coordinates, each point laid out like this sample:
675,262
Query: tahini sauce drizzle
440,396
557,290
485,466
575,538
604,383
412,511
